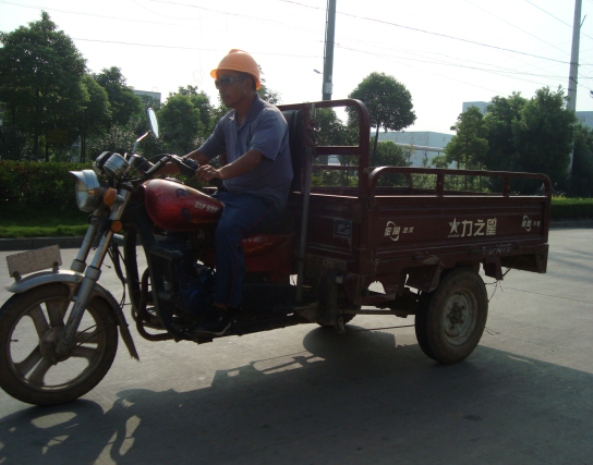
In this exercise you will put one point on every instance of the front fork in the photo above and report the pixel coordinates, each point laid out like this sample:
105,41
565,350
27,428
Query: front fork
92,272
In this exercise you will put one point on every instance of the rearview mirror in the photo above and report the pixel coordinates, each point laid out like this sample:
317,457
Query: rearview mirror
154,124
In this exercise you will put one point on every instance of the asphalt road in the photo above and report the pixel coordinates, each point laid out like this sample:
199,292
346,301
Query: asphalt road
305,395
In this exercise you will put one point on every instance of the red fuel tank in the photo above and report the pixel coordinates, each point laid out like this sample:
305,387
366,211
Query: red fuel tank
175,207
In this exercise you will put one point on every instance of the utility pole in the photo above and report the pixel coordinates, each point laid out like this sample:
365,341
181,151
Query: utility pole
328,56
574,67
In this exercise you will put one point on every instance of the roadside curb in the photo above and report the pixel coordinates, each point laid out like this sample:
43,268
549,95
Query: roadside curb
73,242
571,224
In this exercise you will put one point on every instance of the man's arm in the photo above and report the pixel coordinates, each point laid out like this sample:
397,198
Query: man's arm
241,165
172,168
198,156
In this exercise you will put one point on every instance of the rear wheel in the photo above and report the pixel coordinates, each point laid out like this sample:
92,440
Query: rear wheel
31,324
450,321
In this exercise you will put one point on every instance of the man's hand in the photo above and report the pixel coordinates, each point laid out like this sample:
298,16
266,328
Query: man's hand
169,168
207,173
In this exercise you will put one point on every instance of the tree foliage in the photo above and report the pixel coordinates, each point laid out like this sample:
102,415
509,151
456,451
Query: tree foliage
125,105
545,135
581,181
532,135
184,120
95,116
469,146
265,92
41,88
391,154
389,103
329,130
502,124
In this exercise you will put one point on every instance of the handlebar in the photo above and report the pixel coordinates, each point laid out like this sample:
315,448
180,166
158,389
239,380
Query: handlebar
187,166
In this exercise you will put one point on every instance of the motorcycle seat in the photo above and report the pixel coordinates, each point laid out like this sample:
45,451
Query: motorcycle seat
281,224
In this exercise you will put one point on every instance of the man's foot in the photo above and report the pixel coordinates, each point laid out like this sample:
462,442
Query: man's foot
218,321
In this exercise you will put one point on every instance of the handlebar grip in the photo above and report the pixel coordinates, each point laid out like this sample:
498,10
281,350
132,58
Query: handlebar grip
187,166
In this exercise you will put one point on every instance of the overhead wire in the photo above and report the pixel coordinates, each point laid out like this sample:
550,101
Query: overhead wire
437,34
492,70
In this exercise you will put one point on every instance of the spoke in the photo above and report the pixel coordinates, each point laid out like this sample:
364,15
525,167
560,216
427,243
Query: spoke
56,311
27,364
84,352
87,336
39,320
40,371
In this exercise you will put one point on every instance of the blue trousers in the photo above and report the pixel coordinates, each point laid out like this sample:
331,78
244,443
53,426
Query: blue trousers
241,215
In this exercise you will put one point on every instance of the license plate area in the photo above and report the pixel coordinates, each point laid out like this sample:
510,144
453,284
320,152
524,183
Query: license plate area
34,260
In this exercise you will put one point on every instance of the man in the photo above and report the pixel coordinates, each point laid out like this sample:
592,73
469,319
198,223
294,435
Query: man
253,141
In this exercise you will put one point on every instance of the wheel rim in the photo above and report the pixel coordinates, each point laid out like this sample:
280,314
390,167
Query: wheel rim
34,335
459,317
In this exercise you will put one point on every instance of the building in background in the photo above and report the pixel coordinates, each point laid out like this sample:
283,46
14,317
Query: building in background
482,106
150,99
423,145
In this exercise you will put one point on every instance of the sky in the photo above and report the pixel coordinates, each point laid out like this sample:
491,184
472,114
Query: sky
445,52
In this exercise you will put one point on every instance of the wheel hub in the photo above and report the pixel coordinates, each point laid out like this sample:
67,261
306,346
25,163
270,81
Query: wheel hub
48,343
457,318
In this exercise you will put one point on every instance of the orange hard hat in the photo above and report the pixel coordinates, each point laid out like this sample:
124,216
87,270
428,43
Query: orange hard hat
238,60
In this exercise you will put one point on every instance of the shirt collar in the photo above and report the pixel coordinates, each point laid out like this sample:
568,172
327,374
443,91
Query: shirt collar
254,109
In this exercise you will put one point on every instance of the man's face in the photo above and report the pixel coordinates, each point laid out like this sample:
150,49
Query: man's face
233,87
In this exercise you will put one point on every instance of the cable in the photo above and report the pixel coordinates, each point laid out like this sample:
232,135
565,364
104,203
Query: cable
548,13
554,16
438,34
516,27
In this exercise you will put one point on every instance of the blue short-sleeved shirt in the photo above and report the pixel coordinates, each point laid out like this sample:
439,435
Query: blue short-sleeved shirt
266,131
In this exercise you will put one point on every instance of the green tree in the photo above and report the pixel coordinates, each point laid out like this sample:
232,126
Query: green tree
265,92
391,154
389,103
184,119
125,105
118,139
95,116
40,81
532,135
469,146
545,135
502,123
440,161
330,130
581,181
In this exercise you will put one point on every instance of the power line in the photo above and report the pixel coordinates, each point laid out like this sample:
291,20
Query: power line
515,26
548,13
440,62
438,34
554,16
178,47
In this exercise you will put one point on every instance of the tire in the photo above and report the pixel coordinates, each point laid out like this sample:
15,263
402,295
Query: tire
450,320
30,324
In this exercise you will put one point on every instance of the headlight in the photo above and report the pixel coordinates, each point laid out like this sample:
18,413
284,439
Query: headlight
88,190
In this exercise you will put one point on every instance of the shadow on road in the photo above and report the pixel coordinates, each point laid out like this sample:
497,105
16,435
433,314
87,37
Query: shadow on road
357,398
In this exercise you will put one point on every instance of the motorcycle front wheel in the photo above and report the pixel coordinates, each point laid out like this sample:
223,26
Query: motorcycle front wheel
31,324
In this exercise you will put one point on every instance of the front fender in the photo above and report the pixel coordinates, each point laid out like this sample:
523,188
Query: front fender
73,279
68,277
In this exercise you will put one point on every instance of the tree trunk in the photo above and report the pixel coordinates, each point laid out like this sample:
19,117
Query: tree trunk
374,157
